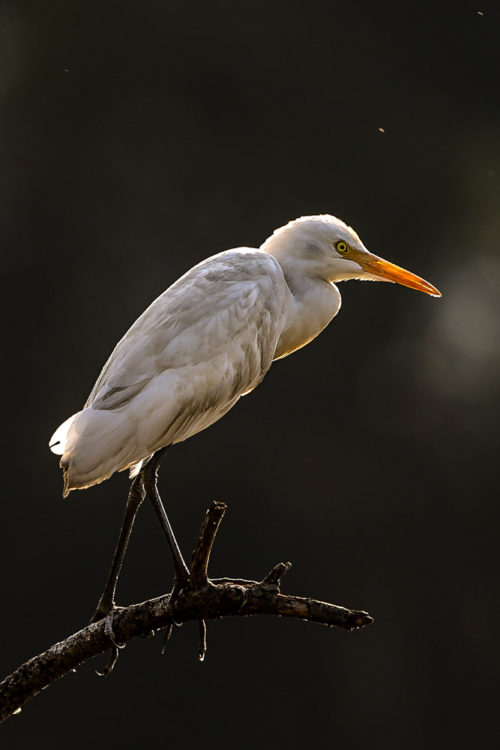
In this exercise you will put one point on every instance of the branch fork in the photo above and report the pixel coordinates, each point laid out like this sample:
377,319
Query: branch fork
201,598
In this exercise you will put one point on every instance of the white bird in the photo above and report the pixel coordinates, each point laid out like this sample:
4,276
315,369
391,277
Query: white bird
209,339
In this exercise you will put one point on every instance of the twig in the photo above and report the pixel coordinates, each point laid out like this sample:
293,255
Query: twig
201,554
275,575
212,600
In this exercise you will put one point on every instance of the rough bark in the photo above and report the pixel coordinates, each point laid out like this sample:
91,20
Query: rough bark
202,599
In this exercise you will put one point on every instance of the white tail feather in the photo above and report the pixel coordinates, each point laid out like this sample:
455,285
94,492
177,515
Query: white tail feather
57,442
97,443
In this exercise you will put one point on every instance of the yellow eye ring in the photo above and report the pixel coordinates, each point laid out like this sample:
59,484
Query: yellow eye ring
341,246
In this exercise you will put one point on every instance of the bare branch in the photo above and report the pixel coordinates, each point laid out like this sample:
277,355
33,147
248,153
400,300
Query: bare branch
275,575
207,600
201,554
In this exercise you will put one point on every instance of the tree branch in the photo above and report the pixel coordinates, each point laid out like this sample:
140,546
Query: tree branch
202,599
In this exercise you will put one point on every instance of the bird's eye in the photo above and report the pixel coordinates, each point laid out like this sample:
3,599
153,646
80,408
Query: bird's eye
341,246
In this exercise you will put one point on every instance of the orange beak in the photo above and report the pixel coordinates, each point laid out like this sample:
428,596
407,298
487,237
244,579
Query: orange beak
386,271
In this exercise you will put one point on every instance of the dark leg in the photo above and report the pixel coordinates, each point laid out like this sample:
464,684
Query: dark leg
149,476
107,601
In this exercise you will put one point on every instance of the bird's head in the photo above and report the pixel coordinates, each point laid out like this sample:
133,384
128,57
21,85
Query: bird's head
324,247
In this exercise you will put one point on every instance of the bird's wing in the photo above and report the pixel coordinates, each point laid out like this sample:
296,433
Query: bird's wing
227,312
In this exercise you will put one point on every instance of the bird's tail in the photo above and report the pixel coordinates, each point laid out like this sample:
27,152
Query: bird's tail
57,442
93,444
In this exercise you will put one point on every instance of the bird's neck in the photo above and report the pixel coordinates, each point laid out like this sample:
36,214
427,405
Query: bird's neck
312,304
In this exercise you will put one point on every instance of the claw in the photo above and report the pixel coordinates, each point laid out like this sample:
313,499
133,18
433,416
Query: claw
107,613
166,637
110,633
202,625
111,663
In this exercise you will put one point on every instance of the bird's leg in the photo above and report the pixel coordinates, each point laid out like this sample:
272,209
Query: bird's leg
107,601
150,479
182,574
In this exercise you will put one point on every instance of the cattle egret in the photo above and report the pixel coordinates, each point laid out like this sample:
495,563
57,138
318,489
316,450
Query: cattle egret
206,341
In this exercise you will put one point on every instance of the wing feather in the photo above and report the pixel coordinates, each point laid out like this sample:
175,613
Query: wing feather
207,340
233,301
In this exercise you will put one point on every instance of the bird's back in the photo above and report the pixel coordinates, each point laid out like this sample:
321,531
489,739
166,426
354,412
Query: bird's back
206,341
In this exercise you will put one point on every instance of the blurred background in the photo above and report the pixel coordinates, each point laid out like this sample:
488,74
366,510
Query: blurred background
139,138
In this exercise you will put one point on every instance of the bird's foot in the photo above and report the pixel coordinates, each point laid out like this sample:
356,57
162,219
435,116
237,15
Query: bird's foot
178,586
180,583
106,610
202,630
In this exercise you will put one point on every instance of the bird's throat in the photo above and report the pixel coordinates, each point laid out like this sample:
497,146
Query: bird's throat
310,308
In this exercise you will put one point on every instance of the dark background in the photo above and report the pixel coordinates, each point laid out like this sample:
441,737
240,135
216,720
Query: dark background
138,138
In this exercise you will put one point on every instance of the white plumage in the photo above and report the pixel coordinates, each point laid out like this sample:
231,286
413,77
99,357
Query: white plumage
209,339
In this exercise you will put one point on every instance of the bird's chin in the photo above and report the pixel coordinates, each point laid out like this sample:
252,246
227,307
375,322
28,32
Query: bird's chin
350,270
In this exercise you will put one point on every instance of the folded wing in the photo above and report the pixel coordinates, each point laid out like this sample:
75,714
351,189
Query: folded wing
207,340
